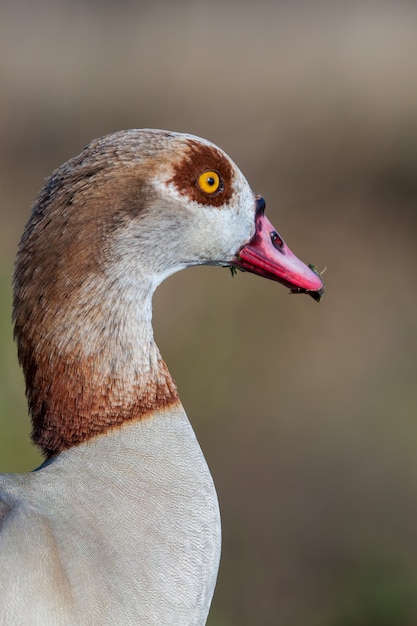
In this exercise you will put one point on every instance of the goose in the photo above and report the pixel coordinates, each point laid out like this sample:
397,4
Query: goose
120,524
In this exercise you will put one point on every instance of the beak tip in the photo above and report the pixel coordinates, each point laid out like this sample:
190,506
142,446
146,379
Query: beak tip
316,294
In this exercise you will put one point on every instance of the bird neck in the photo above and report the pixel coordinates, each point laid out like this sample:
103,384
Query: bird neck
92,365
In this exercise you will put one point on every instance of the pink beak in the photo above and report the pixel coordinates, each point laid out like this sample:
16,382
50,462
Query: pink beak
267,255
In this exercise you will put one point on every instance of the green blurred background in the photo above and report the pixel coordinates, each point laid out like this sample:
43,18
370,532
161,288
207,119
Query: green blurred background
306,413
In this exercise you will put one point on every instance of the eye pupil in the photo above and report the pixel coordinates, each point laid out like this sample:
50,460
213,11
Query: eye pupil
211,181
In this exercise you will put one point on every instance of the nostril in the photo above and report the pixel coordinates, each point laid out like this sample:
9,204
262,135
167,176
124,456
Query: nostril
277,242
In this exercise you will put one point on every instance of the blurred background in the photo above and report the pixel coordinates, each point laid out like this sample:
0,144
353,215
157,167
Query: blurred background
306,412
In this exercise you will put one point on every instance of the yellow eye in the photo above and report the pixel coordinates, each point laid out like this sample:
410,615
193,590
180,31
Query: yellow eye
209,182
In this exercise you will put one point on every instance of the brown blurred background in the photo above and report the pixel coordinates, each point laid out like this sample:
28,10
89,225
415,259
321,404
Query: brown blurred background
306,413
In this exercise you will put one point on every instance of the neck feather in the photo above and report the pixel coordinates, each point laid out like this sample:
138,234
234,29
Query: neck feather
92,365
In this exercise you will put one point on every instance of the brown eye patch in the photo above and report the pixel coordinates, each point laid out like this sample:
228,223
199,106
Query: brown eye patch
198,159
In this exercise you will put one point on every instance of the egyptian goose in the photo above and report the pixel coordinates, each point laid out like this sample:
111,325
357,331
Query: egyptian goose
120,525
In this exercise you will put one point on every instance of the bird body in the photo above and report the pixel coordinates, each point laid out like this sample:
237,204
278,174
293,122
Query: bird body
121,522
124,529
